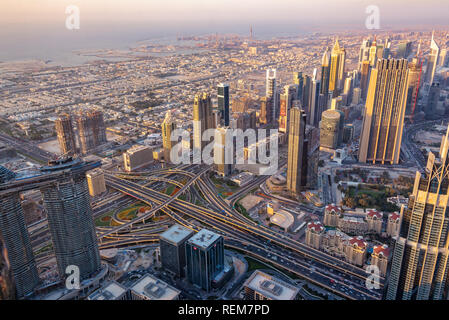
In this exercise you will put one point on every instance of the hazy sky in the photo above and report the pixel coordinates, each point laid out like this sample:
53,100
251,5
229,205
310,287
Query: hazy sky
320,12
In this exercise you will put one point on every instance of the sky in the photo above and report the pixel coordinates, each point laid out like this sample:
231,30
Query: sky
20,13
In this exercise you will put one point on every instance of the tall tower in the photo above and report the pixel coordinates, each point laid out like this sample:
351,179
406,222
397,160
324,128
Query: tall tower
271,90
7,291
413,85
325,72
296,137
17,247
66,134
364,78
373,54
419,265
298,81
70,219
168,126
315,102
91,130
266,105
203,119
223,152
383,121
432,61
337,67
223,103
364,52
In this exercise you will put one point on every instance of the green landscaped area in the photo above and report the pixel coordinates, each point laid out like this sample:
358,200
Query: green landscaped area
104,220
370,196
224,187
131,212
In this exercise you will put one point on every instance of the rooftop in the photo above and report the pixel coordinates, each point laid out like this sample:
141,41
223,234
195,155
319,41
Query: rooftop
176,234
111,291
283,219
271,287
154,289
204,239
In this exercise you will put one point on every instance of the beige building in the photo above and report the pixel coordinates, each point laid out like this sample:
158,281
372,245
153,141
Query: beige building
168,126
383,122
393,224
314,233
374,220
150,288
95,181
380,257
352,225
356,250
137,157
261,286
296,153
332,214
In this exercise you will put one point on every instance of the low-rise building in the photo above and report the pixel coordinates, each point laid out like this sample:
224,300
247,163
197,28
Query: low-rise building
374,220
356,251
393,224
137,157
151,288
380,257
110,291
314,233
261,286
95,181
332,214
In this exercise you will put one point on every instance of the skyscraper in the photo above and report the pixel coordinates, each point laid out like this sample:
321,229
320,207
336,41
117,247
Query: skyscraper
205,258
383,121
66,135
364,78
298,81
331,129
223,152
266,105
7,290
91,130
70,219
325,72
223,103
271,90
168,126
364,52
306,91
404,50
419,266
432,102
315,102
432,61
337,67
17,245
296,137
203,119
414,85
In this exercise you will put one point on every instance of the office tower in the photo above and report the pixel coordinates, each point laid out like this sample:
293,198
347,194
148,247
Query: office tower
7,290
383,121
95,182
432,102
364,52
347,90
337,66
404,50
286,100
443,59
299,82
387,49
66,135
223,103
271,90
348,133
306,89
137,157
173,249
364,78
91,130
419,266
70,219
314,115
17,247
205,258
266,105
356,96
168,126
413,85
261,286
203,119
325,72
373,54
223,153
296,137
331,129
432,61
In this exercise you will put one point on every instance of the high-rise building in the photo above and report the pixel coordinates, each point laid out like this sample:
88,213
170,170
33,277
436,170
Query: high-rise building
306,89
331,129
95,181
315,109
205,258
222,152
286,101
266,105
296,137
373,54
364,52
168,126
414,85
91,130
432,102
137,157
444,57
7,290
70,219
271,90
203,119
364,78
419,266
404,50
432,61
66,135
17,247
298,81
173,249
383,121
337,67
325,72
223,103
